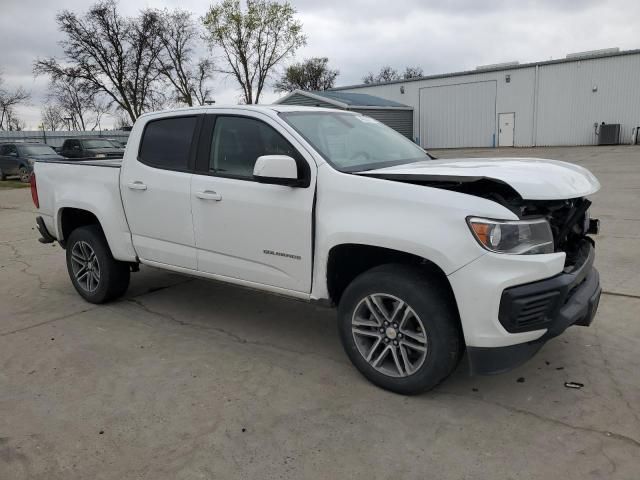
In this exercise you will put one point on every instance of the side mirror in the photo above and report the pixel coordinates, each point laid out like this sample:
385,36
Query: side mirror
276,169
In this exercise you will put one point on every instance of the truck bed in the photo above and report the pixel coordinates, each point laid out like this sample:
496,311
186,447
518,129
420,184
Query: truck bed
94,188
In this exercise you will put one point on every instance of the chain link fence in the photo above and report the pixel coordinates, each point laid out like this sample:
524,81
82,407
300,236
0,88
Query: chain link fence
56,139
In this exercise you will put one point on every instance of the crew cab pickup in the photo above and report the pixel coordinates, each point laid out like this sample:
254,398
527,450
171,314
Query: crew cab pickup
425,259
84,148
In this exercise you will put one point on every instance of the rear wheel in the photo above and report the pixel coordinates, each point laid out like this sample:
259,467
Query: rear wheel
95,274
400,328
25,174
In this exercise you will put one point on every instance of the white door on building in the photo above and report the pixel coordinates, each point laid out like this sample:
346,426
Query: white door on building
506,123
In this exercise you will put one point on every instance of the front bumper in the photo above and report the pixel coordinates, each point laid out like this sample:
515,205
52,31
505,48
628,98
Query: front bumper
569,298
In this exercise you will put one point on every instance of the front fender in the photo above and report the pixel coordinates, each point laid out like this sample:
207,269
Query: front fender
423,221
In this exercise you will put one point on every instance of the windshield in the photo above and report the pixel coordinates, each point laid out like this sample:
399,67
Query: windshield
98,144
352,142
37,150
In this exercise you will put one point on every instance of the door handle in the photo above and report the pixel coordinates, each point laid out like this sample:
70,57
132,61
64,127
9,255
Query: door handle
136,186
209,195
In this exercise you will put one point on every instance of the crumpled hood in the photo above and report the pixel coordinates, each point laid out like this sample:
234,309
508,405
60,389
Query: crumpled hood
532,178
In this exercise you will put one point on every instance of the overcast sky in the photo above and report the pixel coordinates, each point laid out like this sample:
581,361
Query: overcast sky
361,35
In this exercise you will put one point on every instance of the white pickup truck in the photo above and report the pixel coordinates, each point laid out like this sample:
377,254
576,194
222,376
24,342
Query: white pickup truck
425,259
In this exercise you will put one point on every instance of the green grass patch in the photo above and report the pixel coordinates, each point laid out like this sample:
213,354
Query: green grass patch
13,184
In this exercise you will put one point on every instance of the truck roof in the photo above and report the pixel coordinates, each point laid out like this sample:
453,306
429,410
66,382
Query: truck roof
269,109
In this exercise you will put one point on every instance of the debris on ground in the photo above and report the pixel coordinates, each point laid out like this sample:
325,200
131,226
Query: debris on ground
573,384
520,380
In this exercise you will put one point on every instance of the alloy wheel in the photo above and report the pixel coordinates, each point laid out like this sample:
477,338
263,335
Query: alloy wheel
25,176
389,335
85,266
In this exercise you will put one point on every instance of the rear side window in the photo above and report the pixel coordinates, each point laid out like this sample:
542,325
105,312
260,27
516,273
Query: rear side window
166,143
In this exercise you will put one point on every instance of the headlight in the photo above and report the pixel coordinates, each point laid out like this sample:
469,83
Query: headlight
101,155
520,237
31,161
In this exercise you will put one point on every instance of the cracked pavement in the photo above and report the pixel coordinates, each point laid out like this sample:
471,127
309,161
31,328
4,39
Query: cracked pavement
187,379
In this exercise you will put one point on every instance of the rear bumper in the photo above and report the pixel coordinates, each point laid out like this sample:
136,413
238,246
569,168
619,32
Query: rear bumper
570,298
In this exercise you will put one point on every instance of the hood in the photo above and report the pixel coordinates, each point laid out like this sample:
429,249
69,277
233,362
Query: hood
531,178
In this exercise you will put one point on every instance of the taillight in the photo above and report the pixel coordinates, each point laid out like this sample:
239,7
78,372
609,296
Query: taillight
34,190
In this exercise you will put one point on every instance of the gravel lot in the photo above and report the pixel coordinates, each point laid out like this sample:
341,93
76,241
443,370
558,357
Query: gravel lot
188,379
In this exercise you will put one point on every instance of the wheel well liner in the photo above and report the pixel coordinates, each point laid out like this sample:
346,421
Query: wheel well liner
72,218
347,261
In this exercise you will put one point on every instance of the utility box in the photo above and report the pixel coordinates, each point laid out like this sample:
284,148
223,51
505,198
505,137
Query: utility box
609,134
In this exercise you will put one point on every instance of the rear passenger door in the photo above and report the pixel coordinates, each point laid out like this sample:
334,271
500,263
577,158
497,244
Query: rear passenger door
250,231
155,183
4,151
9,159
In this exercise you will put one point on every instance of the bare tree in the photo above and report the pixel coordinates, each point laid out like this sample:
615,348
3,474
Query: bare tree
412,72
312,74
253,41
386,74
178,36
13,122
78,101
9,99
122,121
52,118
110,54
390,74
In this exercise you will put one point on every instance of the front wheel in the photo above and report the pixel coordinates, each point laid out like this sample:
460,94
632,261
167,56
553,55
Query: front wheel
400,329
95,274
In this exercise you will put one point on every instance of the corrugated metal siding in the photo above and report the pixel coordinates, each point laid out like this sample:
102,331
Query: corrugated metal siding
400,120
305,101
566,107
462,115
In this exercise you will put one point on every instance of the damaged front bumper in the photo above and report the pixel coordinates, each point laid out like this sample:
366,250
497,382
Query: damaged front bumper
569,298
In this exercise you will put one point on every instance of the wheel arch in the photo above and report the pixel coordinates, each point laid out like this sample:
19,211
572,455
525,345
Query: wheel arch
70,218
346,261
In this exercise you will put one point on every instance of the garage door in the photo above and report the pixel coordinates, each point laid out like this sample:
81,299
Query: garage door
455,116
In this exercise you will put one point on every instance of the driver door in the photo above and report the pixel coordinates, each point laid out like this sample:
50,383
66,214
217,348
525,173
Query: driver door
253,232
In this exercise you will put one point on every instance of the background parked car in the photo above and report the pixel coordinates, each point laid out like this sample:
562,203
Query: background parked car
90,148
17,158
119,143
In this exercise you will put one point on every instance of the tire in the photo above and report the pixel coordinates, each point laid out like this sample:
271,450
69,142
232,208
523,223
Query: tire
95,274
25,174
428,320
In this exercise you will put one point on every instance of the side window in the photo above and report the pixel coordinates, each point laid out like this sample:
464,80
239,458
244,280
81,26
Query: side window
4,149
12,149
166,143
237,142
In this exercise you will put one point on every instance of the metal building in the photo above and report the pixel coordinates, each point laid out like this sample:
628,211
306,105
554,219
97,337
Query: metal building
396,115
556,102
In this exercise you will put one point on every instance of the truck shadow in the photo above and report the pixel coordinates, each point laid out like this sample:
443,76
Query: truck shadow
253,317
